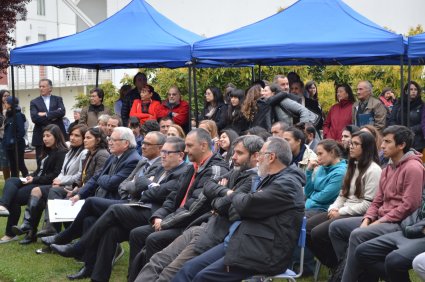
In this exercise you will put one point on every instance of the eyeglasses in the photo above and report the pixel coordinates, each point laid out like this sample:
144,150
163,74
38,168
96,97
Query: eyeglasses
166,153
264,153
115,140
150,144
355,144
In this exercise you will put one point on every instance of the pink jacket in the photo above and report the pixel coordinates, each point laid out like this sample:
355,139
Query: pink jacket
339,116
400,190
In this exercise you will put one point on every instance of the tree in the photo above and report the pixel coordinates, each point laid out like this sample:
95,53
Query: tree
11,11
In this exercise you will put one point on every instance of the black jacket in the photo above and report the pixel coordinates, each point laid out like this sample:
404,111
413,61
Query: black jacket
9,130
264,114
218,224
219,116
271,222
415,119
52,166
196,204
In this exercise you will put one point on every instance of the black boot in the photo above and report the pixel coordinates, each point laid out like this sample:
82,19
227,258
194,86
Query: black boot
25,226
36,209
48,230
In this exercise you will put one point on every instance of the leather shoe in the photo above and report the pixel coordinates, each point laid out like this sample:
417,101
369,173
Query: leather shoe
48,230
29,238
19,230
83,273
49,240
68,251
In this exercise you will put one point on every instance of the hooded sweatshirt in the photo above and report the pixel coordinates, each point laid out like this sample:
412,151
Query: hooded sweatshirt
400,189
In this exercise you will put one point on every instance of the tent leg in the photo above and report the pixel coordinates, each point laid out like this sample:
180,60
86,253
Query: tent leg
259,72
409,68
189,126
97,77
15,133
195,96
252,75
401,87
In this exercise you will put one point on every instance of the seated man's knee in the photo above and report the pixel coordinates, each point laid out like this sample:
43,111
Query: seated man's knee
36,192
395,261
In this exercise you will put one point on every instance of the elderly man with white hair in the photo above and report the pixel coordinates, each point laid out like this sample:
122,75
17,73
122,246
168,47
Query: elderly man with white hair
368,109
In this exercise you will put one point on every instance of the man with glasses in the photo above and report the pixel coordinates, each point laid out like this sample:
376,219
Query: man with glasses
263,240
175,108
198,239
146,190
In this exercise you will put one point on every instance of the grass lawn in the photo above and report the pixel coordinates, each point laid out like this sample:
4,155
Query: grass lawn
21,263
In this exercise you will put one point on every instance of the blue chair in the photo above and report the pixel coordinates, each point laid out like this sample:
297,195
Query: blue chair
289,274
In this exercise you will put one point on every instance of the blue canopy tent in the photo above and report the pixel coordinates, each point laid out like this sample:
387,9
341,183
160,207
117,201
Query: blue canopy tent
136,36
416,49
310,32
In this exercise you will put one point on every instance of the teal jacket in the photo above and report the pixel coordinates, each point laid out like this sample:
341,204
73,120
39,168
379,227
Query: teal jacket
324,185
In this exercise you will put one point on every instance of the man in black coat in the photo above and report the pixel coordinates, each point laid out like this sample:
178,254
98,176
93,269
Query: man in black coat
115,224
45,109
198,239
271,216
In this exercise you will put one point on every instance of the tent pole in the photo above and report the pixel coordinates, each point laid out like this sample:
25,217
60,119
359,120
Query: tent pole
97,77
401,87
252,75
195,96
409,66
259,72
189,126
15,133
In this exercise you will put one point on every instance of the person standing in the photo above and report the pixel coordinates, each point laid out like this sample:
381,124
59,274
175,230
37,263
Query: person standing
4,162
91,113
45,109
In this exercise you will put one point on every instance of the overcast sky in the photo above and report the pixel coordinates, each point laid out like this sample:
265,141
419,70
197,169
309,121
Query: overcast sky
214,17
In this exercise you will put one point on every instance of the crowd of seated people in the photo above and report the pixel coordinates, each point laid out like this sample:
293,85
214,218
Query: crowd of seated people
225,201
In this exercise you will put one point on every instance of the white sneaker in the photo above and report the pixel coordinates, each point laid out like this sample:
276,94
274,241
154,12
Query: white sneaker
4,211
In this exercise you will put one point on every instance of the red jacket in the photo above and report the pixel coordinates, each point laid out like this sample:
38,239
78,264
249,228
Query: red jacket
181,109
400,190
339,116
136,110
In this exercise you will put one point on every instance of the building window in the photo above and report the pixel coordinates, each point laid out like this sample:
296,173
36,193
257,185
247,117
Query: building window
41,37
41,7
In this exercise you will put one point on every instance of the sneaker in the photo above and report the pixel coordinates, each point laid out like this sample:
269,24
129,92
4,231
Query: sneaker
119,252
7,239
4,211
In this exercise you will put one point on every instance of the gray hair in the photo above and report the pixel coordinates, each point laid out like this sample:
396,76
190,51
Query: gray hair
281,148
47,80
276,77
160,138
104,118
368,85
77,110
251,143
177,142
202,135
126,134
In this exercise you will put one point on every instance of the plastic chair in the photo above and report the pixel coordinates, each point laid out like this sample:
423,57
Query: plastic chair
289,274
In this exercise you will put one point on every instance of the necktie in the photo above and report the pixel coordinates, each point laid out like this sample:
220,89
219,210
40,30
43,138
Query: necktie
113,166
144,169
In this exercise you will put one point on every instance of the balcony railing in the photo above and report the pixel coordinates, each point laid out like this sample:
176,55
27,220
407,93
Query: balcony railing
27,77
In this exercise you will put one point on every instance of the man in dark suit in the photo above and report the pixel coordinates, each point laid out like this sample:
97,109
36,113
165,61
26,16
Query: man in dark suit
45,109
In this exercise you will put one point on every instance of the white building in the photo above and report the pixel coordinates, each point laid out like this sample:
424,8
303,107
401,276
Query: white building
50,19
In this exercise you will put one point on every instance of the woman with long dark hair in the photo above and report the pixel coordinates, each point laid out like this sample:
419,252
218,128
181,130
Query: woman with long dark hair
235,119
14,132
414,116
358,190
227,136
17,191
214,107
70,174
96,144
4,162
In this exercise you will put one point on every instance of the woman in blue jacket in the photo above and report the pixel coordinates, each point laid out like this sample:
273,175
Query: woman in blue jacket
324,177
9,139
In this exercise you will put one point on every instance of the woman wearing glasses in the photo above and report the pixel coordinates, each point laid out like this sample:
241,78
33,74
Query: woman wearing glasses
214,107
358,190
